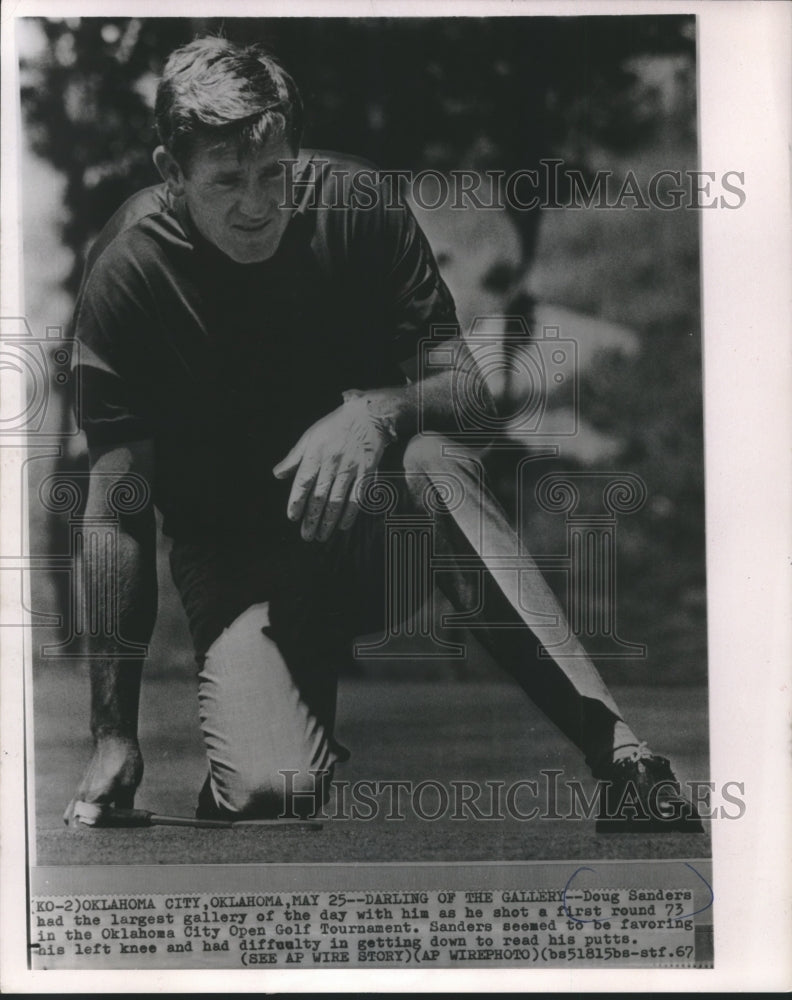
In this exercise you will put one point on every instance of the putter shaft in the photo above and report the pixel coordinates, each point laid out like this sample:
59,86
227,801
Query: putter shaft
108,816
209,824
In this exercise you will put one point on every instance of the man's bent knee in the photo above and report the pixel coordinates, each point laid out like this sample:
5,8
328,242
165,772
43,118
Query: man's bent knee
441,473
427,453
256,723
286,792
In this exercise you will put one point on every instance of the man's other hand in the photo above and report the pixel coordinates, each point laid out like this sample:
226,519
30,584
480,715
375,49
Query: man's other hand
112,776
328,463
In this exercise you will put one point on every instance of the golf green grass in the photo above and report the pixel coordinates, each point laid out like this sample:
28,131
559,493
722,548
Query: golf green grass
437,730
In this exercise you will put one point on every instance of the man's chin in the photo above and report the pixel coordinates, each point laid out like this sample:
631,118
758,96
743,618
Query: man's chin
252,251
250,255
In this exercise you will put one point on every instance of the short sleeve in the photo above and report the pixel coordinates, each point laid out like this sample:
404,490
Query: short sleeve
419,299
415,300
110,402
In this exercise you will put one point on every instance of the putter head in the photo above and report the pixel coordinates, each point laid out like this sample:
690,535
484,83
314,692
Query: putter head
98,814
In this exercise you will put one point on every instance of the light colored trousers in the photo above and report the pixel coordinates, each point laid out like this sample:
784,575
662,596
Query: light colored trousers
267,685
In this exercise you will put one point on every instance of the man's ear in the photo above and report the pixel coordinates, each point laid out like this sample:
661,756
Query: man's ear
169,169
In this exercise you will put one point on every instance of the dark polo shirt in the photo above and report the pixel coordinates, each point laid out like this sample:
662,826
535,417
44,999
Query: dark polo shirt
224,365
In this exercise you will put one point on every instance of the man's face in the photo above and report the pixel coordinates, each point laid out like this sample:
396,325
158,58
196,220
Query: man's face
234,202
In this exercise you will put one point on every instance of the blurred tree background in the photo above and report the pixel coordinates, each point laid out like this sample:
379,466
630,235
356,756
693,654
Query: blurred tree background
483,93
404,92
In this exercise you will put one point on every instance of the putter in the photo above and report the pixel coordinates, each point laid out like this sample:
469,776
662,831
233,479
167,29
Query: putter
98,815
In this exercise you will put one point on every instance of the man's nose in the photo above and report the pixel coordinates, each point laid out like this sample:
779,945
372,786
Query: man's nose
254,199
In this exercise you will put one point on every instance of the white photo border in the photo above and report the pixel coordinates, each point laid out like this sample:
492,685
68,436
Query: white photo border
745,114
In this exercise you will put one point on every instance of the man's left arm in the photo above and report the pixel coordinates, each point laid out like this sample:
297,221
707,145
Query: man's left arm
333,455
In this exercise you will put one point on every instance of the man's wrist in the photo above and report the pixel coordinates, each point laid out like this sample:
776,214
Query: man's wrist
116,733
396,410
384,419
380,409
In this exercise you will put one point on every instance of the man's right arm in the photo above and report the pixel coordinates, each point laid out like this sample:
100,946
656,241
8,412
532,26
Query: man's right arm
116,767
